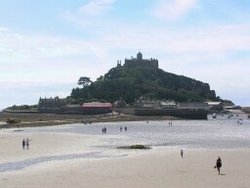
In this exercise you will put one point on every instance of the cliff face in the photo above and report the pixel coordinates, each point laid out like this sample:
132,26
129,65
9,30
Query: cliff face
131,83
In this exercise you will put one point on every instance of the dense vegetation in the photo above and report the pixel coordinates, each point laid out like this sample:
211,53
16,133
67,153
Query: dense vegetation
130,83
22,107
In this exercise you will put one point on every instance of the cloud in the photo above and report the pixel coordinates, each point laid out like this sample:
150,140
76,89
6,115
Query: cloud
96,7
199,42
85,14
211,39
51,59
172,10
14,45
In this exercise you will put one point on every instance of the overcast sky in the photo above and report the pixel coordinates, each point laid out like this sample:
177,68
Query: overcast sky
45,46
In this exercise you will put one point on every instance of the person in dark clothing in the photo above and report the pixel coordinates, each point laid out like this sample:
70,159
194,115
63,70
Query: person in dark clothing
27,143
218,164
23,143
182,153
104,130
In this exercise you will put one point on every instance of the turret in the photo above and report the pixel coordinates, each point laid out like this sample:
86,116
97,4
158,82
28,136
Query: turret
139,56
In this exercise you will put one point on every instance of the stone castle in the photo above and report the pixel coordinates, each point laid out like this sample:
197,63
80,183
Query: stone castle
139,61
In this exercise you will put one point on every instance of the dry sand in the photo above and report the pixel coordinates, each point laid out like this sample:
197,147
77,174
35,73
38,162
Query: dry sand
156,168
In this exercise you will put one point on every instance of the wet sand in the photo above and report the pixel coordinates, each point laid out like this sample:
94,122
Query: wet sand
159,167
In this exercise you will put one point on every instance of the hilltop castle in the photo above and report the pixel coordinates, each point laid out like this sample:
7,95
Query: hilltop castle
139,61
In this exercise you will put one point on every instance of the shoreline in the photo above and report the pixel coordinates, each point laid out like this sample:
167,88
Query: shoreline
37,119
43,119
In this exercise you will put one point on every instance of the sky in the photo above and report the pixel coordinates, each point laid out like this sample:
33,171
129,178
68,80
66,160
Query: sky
46,46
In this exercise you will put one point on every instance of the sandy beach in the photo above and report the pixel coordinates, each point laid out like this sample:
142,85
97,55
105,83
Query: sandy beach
142,168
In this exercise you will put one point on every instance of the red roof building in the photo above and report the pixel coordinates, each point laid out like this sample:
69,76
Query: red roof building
96,108
97,105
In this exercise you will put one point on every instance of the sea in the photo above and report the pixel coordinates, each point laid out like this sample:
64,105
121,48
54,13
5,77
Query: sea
222,132
215,133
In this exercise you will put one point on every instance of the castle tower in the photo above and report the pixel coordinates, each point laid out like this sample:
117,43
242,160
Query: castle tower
139,56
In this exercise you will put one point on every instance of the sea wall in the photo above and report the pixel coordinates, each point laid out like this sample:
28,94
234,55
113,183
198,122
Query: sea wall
182,113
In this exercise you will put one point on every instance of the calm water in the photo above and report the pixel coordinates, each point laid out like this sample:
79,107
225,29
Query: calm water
221,132
213,134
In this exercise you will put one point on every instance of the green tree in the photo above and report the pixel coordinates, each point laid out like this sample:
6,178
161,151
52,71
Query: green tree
84,81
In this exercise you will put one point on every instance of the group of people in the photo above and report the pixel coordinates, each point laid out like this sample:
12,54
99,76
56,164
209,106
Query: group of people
26,143
104,129
125,129
239,122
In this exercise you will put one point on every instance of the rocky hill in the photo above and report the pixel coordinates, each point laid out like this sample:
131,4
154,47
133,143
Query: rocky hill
132,81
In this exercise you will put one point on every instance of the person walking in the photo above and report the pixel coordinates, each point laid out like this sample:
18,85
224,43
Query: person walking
182,153
104,130
218,164
23,143
27,143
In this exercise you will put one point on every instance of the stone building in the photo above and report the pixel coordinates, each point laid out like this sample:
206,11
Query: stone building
57,105
139,61
51,105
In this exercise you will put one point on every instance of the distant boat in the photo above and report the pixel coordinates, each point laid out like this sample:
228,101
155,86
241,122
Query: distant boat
214,115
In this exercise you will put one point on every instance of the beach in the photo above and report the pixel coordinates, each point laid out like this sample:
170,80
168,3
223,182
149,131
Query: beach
158,167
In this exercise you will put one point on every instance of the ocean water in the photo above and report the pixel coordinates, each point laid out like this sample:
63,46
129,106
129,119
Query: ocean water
219,133
222,132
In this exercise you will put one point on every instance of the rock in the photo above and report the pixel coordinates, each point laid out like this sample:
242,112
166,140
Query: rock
137,146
